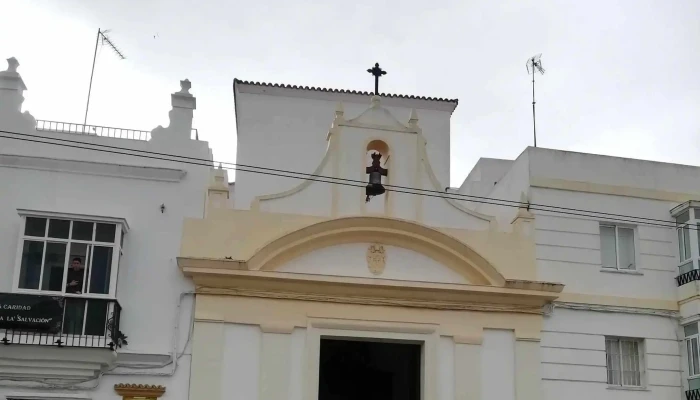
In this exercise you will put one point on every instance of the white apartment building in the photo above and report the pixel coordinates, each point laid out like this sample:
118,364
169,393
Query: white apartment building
621,234
92,305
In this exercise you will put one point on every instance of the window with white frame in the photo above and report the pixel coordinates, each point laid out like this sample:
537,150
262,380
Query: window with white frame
73,257
693,349
624,361
685,255
617,247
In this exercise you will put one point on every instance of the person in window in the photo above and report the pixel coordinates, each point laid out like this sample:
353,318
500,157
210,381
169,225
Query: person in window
76,274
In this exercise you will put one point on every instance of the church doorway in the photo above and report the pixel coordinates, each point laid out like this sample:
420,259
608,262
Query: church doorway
363,369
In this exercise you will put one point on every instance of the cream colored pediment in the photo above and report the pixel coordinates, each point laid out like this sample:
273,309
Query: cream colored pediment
261,249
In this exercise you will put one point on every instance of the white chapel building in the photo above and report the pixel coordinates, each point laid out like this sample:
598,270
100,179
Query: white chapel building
552,276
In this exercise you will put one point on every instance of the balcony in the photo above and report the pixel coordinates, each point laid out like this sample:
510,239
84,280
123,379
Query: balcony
96,130
60,321
690,276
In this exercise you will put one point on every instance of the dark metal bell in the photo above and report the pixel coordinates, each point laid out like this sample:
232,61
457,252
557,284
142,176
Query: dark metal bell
375,188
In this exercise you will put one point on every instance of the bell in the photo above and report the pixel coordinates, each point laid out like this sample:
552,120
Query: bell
375,172
374,188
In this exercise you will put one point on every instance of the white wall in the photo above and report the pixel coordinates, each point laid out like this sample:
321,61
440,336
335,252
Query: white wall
288,132
509,187
148,273
498,365
151,289
351,260
177,386
557,164
568,251
240,372
573,355
568,246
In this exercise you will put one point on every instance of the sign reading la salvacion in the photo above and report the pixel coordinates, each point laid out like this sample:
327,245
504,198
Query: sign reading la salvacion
31,313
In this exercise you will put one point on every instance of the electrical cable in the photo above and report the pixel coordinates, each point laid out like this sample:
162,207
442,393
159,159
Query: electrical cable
342,181
237,166
322,179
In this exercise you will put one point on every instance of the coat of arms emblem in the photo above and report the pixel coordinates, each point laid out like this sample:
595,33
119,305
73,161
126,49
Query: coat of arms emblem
376,258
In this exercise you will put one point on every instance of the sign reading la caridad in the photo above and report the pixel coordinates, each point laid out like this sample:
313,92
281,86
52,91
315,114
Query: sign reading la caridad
31,313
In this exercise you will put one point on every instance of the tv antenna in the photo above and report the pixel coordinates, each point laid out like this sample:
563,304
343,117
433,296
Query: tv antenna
105,40
534,65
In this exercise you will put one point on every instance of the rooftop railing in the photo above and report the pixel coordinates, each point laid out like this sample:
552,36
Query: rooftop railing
97,130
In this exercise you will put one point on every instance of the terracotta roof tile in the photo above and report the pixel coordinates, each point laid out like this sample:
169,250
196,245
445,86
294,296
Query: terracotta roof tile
345,91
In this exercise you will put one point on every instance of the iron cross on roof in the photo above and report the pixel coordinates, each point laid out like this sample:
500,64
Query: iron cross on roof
377,72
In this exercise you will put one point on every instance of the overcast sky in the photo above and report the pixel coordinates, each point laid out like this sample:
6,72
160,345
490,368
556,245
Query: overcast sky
623,77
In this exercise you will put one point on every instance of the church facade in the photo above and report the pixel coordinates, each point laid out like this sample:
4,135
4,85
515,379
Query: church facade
324,286
338,266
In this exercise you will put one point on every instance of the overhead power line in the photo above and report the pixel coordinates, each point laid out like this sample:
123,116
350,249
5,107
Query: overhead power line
610,217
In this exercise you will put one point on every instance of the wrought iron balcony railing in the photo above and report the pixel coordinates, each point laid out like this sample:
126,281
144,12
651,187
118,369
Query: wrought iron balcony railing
60,321
693,394
690,276
96,130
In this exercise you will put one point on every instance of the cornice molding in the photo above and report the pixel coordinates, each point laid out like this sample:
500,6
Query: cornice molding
612,190
52,214
345,97
615,309
369,291
132,391
91,168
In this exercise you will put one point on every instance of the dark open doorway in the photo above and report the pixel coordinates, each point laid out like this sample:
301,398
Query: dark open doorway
365,370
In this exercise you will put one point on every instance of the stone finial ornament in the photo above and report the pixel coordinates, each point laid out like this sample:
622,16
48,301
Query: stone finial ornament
11,98
185,87
12,65
376,100
413,119
180,128
339,110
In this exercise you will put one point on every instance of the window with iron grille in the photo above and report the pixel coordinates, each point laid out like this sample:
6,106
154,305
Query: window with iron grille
624,361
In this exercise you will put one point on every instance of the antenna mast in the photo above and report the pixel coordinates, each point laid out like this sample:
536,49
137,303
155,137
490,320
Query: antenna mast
105,39
534,65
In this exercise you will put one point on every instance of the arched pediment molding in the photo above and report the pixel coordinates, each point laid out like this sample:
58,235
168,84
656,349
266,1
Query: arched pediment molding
442,247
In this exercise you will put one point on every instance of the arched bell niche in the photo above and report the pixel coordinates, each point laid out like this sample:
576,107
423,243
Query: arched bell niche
378,204
377,146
